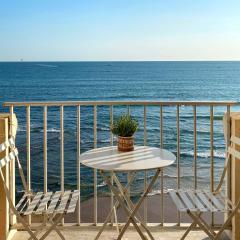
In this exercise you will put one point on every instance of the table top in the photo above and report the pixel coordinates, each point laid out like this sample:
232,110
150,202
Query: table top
142,158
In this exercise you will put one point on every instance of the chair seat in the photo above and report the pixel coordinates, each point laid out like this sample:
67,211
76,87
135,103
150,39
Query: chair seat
200,201
50,203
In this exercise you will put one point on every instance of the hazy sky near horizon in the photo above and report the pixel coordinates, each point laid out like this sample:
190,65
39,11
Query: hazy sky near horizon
59,30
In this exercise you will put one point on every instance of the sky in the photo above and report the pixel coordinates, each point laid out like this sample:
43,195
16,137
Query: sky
102,30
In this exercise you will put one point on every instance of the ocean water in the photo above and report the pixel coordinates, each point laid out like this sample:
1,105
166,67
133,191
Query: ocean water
166,81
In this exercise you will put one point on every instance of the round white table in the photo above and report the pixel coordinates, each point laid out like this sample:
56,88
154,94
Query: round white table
110,160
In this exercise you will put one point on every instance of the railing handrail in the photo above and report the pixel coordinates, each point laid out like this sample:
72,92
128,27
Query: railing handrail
107,103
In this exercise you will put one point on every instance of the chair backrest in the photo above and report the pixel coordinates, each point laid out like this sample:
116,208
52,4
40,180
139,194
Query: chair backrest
12,153
234,152
228,157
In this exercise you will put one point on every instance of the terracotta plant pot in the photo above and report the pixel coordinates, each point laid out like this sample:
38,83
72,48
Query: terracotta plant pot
125,144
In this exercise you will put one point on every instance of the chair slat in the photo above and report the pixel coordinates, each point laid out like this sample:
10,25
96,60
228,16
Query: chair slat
186,200
235,140
22,203
178,202
225,199
234,152
195,200
11,156
214,200
54,201
9,143
43,204
73,201
63,202
34,203
206,201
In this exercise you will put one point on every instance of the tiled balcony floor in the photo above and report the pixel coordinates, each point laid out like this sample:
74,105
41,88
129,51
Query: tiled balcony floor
89,234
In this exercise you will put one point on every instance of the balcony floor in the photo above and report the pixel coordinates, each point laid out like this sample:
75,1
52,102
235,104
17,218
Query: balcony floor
89,234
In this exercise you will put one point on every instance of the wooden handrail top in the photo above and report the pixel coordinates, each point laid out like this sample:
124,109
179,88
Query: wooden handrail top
108,103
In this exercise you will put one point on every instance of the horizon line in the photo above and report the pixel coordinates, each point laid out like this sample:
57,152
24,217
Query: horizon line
22,61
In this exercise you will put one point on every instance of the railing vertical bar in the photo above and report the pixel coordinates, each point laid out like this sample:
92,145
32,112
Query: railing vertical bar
28,139
45,184
78,163
95,171
111,122
62,146
129,110
195,144
212,155
45,147
111,144
12,171
228,136
162,187
62,149
178,156
145,172
228,125
129,174
28,150
161,126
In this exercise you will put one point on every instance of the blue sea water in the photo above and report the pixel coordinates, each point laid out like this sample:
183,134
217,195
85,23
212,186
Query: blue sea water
166,81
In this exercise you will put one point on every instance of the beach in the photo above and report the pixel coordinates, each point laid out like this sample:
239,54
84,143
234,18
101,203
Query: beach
154,210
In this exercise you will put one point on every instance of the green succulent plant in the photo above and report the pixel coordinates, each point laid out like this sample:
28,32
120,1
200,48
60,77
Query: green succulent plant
124,126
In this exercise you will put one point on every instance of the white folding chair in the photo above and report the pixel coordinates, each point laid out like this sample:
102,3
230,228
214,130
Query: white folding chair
197,202
53,206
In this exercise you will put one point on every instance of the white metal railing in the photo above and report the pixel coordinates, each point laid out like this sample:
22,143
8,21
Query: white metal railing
95,104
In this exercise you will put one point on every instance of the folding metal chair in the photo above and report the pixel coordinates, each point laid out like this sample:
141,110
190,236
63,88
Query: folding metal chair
197,202
53,206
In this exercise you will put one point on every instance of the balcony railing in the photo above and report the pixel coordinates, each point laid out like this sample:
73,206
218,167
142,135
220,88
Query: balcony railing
51,133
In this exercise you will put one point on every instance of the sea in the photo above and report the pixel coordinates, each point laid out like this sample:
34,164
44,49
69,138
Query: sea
113,81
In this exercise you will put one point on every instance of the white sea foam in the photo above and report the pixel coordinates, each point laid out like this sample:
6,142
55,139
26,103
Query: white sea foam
102,184
47,65
157,192
52,130
206,154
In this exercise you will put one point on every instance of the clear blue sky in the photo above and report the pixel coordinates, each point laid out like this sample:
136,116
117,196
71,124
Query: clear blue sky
119,30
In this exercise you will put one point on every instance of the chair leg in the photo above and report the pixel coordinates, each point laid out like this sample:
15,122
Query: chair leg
193,225
41,228
188,230
37,232
53,227
57,230
202,225
224,226
26,226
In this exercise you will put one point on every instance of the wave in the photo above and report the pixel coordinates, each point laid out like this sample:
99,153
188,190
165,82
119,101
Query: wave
158,192
102,184
47,65
21,129
52,130
206,154
104,129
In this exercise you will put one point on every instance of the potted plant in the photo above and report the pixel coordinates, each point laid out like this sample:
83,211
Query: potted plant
125,127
